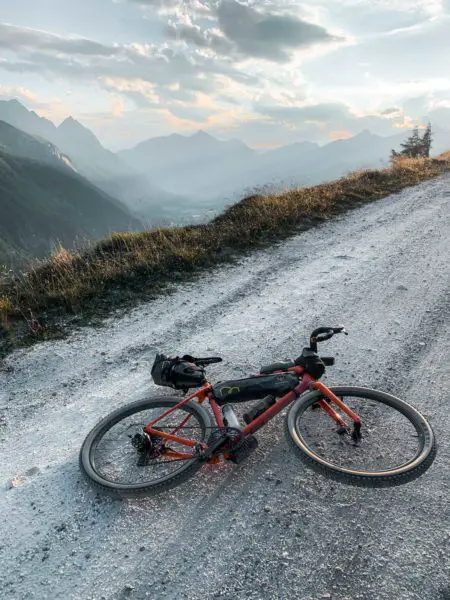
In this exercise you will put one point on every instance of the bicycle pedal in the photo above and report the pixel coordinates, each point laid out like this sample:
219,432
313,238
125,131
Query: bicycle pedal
245,449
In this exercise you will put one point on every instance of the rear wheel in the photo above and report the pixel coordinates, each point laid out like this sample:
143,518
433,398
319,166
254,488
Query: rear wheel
113,459
397,443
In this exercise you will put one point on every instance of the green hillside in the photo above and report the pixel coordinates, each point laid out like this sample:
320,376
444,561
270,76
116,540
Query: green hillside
41,205
17,142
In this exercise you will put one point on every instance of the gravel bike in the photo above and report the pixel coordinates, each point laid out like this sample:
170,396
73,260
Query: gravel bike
355,435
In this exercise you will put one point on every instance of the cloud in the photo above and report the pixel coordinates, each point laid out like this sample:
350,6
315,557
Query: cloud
7,91
44,53
216,36
117,106
175,7
337,120
17,38
193,34
376,18
322,113
393,110
148,61
398,67
251,65
341,134
158,3
51,107
243,31
258,33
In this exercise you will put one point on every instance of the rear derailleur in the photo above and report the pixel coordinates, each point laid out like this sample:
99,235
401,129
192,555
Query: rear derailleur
148,447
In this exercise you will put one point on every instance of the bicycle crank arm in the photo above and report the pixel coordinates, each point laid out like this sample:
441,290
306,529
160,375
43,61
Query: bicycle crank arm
214,447
356,434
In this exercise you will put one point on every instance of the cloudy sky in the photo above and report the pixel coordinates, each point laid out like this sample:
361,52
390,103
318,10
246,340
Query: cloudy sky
269,72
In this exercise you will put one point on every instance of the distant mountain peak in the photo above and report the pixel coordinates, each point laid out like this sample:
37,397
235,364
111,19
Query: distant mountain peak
15,113
70,122
365,133
200,134
73,129
15,102
16,106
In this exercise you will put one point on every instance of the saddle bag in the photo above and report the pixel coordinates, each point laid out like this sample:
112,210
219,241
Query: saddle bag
179,373
254,388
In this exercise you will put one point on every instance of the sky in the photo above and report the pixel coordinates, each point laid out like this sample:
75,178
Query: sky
269,72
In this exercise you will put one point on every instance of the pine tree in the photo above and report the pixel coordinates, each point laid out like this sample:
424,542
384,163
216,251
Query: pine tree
415,146
427,141
412,146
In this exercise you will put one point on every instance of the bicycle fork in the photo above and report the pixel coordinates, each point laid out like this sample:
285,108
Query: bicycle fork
356,433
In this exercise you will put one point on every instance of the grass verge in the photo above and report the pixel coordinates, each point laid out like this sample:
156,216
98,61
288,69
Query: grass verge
75,288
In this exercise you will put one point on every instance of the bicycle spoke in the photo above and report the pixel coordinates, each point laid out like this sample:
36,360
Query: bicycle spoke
388,438
117,460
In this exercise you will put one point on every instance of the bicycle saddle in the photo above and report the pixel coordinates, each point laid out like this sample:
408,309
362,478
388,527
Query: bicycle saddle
202,362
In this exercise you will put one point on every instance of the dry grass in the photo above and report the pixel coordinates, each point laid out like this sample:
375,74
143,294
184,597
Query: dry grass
6,308
68,282
445,156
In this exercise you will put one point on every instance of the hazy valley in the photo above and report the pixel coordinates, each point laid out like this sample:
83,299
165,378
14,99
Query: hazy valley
59,184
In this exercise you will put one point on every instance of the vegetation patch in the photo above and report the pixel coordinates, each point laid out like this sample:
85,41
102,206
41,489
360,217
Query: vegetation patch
75,288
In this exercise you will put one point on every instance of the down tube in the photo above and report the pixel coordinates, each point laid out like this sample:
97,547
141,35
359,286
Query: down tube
279,405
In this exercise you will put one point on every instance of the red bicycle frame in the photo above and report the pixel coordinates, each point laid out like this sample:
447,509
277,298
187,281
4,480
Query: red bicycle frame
205,393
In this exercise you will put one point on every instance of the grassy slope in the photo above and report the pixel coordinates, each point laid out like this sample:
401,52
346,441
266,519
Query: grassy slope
126,266
18,143
41,205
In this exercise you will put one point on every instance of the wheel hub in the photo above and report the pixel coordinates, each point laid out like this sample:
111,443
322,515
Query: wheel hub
148,447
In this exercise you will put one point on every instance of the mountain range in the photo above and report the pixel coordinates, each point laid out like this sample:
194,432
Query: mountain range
164,180
216,172
103,168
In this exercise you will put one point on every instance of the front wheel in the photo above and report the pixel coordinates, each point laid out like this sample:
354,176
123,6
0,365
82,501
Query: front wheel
113,455
397,443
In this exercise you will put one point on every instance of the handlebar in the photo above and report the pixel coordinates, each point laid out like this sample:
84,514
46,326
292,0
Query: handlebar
321,334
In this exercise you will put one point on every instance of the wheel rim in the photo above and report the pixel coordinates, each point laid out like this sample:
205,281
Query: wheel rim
391,442
114,459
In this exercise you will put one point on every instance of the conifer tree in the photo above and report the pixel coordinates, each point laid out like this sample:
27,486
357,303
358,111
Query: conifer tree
415,146
412,146
427,141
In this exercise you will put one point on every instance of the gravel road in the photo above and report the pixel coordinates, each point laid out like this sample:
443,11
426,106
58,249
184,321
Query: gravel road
269,528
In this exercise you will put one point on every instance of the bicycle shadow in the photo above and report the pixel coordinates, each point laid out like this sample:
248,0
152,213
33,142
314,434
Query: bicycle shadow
69,532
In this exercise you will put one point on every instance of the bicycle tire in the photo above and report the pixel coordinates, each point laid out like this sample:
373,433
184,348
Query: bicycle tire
138,490
389,478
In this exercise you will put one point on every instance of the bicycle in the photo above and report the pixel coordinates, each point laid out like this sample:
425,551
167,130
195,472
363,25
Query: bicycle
371,439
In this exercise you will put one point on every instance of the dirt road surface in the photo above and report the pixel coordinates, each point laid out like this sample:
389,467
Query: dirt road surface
268,529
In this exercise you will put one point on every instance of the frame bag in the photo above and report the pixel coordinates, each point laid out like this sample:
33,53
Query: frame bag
254,388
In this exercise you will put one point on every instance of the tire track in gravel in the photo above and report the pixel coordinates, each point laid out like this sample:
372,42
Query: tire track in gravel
229,481
267,528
